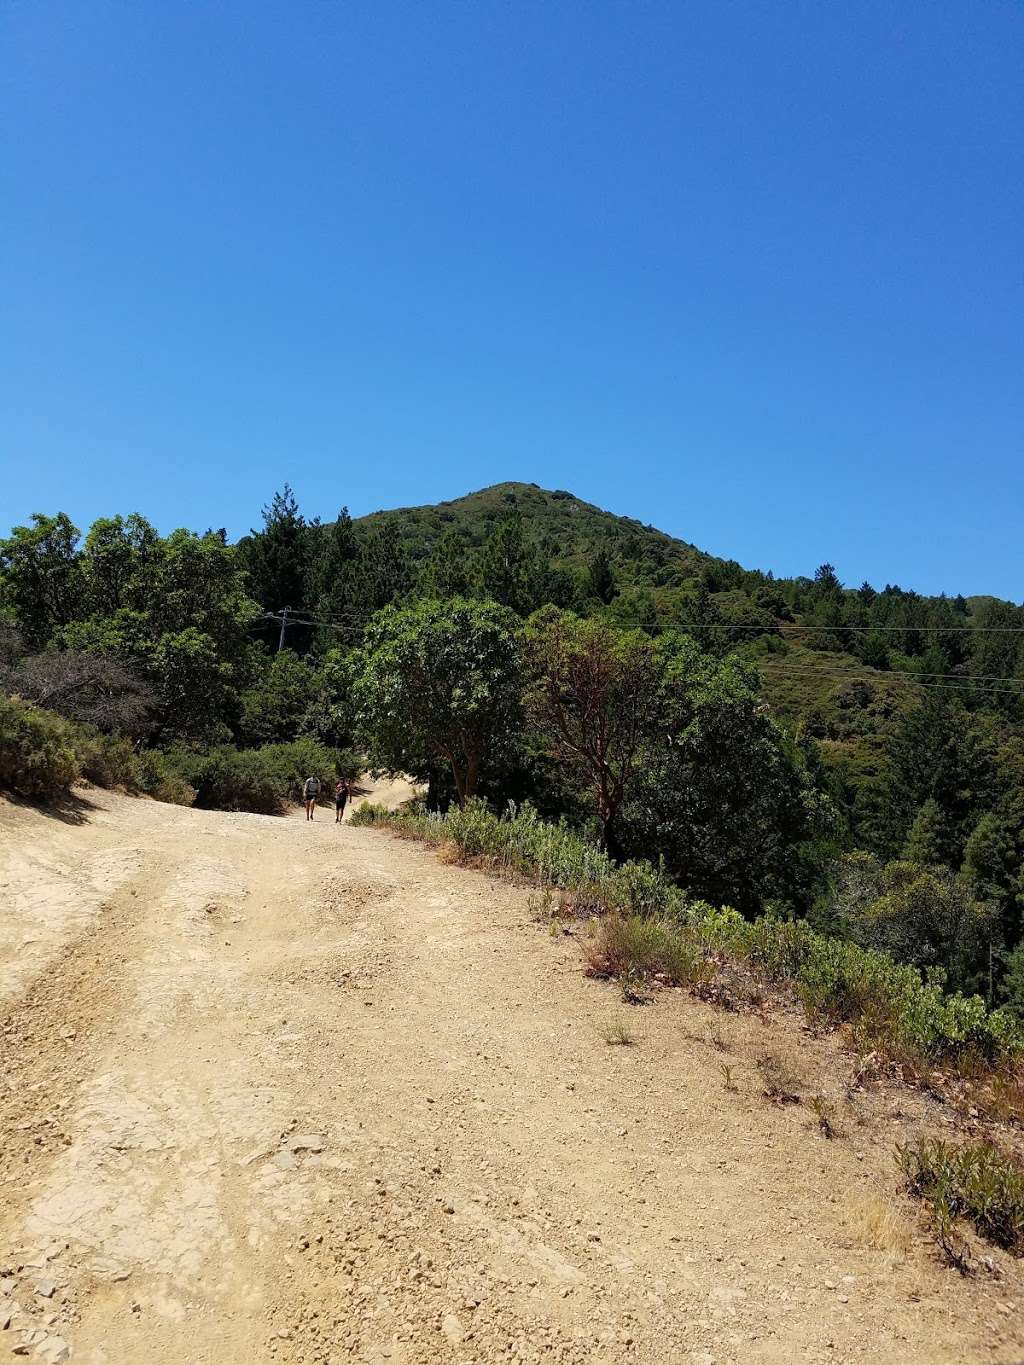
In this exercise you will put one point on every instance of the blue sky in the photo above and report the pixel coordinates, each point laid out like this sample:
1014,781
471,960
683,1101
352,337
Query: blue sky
750,271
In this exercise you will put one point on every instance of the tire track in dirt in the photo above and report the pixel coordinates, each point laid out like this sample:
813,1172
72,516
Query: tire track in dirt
51,1031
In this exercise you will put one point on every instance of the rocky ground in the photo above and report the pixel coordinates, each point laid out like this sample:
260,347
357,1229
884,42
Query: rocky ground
273,1091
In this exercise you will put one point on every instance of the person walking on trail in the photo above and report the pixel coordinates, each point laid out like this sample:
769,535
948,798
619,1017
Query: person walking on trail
340,797
311,790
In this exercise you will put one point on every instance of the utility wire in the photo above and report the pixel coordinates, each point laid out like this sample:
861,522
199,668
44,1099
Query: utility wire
891,672
911,681
957,681
780,627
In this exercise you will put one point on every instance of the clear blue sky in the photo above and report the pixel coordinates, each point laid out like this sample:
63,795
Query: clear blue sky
749,271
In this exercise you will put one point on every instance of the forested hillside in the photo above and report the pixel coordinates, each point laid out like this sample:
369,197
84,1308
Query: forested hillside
840,665
850,755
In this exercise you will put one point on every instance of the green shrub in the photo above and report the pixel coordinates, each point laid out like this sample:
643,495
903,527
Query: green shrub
722,928
227,779
977,1182
114,761
107,760
156,777
259,780
638,888
517,842
368,813
43,755
901,1009
38,757
777,949
895,1007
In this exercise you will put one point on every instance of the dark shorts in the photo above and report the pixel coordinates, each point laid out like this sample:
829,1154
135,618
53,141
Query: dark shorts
339,802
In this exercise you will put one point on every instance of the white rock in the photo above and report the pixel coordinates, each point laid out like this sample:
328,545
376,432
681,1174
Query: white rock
53,1349
452,1328
305,1142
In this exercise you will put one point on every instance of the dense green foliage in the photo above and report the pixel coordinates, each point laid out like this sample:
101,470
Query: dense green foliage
260,780
519,842
174,611
439,681
37,750
975,1181
724,796
42,755
593,693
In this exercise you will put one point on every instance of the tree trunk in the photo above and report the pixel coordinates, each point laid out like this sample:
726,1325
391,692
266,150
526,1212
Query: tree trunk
472,771
458,776
610,840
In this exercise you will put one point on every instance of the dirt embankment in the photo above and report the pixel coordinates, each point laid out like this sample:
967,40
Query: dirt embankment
273,1091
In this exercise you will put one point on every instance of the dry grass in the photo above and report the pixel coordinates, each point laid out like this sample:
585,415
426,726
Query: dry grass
779,1079
641,950
617,1033
714,1039
731,987
995,1093
1002,1099
447,852
877,1223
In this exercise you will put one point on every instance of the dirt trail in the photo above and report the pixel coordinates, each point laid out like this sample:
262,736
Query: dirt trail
280,1092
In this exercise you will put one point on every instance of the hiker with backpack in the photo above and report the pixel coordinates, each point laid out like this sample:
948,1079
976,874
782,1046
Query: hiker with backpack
310,791
340,798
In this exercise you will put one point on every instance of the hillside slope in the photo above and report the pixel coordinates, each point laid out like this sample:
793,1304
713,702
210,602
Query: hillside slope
285,1092
819,682
572,530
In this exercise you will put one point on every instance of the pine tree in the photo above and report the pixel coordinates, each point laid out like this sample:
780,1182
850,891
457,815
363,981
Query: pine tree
510,570
276,556
873,650
601,577
1012,989
992,864
928,840
334,571
826,582
449,570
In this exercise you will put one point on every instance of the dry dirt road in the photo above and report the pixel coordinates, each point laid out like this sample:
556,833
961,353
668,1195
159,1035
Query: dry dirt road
272,1091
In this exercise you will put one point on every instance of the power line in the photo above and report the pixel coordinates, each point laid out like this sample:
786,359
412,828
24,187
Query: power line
898,673
909,680
956,681
792,627
335,623
782,628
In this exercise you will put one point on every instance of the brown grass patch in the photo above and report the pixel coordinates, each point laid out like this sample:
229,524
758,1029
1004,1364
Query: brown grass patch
780,1082
877,1223
638,949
